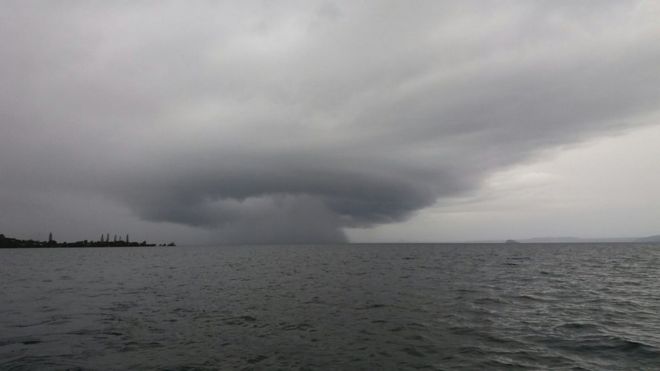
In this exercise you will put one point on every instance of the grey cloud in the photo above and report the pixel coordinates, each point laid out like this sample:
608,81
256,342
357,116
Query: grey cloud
289,123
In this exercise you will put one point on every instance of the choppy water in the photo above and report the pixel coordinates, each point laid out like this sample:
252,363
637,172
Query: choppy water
332,307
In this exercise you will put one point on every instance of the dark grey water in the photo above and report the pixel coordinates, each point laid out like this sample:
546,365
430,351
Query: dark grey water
343,307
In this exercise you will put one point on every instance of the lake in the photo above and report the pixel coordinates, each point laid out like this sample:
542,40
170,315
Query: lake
372,307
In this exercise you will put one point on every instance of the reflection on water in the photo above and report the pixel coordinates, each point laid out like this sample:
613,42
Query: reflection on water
332,307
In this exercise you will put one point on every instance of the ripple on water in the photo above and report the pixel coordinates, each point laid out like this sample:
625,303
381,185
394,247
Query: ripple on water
346,307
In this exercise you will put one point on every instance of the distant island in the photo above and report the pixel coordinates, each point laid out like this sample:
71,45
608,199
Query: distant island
104,241
655,238
570,239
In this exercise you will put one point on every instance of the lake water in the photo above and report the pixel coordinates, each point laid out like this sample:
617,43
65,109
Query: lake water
374,307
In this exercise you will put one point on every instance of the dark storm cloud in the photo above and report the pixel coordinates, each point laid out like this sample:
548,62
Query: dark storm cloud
288,123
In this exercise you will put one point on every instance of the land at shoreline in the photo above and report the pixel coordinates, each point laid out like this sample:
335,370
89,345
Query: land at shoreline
8,242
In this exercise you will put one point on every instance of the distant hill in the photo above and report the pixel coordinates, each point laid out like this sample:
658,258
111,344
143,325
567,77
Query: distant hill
655,238
572,239
575,240
552,240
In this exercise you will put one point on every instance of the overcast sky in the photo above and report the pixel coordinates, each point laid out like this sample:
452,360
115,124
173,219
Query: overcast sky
322,121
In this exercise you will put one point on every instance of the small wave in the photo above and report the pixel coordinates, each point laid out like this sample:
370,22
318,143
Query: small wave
257,359
373,306
297,326
490,301
530,298
53,320
412,351
609,347
240,320
20,340
578,326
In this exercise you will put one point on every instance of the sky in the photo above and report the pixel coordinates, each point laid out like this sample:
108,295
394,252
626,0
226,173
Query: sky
329,121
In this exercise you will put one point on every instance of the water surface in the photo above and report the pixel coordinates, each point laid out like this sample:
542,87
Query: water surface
448,306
